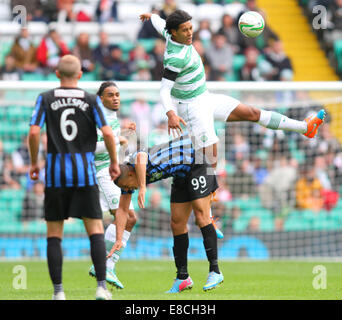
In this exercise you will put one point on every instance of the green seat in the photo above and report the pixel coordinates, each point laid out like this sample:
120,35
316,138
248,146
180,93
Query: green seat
126,46
13,227
51,77
10,146
240,224
28,76
5,49
238,61
88,76
148,44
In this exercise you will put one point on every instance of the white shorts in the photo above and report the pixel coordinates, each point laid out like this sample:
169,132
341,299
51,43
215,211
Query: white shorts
109,193
200,113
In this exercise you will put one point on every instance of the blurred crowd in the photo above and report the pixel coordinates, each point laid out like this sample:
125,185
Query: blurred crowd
285,171
263,58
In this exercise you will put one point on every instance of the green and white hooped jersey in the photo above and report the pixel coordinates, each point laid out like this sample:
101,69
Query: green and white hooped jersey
102,160
184,60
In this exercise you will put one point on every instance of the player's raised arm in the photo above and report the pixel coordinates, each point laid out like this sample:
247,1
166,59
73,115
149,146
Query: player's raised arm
157,22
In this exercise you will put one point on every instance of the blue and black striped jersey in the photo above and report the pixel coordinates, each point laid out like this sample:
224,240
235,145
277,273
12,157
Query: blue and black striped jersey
171,159
71,116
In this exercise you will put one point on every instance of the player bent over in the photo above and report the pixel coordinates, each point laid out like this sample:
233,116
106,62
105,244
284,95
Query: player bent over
193,184
109,192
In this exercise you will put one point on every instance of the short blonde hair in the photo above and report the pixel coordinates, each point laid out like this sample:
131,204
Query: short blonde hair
69,67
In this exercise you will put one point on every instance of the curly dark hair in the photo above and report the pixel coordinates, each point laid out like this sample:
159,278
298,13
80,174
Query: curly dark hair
105,85
175,19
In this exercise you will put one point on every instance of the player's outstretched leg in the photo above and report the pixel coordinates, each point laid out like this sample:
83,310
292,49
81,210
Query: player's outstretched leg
314,122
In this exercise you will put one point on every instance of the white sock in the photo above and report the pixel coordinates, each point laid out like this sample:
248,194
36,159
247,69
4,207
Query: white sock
110,238
276,121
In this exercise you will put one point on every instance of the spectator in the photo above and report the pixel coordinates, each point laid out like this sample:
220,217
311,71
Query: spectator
220,55
223,193
309,190
278,61
50,50
114,67
230,31
50,9
8,178
250,70
65,11
157,56
330,196
254,224
277,192
21,158
206,63
83,51
142,71
33,205
241,182
102,51
335,23
168,7
9,72
141,114
147,31
38,16
260,170
24,52
107,11
240,148
139,58
204,32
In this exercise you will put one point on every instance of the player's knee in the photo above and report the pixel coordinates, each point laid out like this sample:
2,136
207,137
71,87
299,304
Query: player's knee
253,114
132,219
202,217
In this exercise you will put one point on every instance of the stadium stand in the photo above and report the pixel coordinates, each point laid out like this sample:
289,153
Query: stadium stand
239,214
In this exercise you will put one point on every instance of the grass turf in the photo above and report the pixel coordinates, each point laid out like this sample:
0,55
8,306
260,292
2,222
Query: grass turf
148,280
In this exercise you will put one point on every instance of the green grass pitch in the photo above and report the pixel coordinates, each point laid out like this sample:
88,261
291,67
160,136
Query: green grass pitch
148,280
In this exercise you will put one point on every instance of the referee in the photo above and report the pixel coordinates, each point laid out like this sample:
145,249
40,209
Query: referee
71,116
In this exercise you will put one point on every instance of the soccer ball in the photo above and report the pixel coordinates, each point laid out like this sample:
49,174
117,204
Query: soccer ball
251,24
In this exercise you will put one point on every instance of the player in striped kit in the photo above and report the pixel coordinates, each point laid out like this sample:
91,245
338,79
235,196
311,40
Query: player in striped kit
109,192
191,190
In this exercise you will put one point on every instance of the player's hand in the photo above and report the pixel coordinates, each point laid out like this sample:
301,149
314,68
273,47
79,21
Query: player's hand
34,172
174,122
114,171
141,197
132,126
145,16
116,247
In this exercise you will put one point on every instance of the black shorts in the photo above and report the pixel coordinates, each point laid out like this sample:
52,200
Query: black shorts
198,184
64,203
